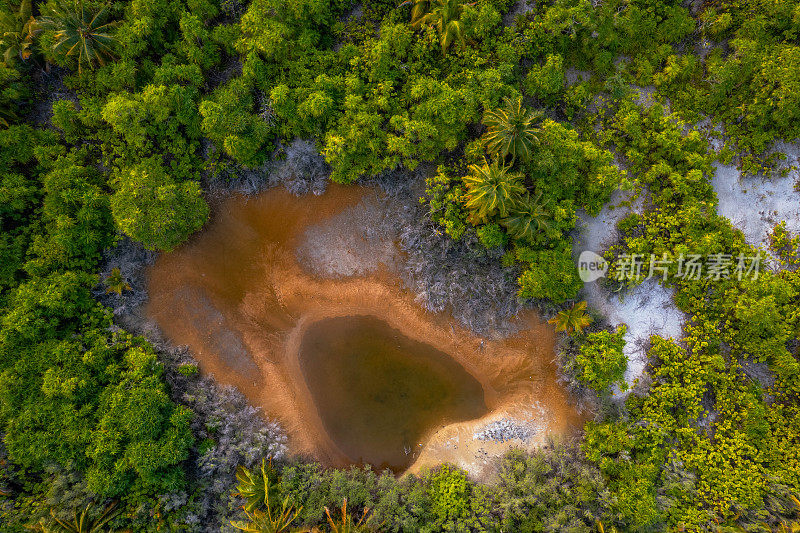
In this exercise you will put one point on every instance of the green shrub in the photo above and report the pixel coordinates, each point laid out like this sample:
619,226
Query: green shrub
550,275
547,81
492,236
154,209
600,361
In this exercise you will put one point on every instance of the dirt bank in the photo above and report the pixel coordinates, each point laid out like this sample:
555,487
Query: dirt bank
240,298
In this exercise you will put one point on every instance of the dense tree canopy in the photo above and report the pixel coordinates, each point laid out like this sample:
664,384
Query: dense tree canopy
116,118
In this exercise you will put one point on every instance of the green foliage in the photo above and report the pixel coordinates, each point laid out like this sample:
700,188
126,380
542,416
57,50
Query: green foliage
160,121
600,360
116,283
154,209
14,93
346,523
266,522
80,34
21,194
511,131
552,489
546,82
551,275
491,236
77,216
419,8
572,320
570,168
188,369
528,220
445,16
260,491
140,433
491,189
451,501
16,33
709,443
73,393
392,501
257,487
785,244
445,198
84,524
228,121
282,31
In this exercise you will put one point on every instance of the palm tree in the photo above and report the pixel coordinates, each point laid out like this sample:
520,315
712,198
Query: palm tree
116,283
81,34
527,218
346,524
446,17
255,486
511,130
267,521
572,320
16,33
83,524
418,9
492,189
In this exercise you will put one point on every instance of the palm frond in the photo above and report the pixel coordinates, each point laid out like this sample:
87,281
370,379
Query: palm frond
511,130
492,189
80,34
527,218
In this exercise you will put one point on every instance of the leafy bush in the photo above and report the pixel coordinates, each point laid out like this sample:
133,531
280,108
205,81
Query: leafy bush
156,210
600,360
547,81
551,275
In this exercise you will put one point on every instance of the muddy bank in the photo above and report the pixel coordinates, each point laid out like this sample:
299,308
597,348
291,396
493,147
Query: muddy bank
243,292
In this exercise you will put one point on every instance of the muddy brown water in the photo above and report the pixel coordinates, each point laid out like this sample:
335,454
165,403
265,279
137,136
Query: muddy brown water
379,392
353,368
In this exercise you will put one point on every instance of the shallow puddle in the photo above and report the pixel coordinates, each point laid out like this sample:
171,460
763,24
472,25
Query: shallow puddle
288,299
378,392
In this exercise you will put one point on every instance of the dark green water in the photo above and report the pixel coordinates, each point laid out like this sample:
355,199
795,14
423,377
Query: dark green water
380,393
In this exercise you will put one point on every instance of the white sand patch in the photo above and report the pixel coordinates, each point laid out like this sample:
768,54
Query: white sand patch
598,233
755,204
648,309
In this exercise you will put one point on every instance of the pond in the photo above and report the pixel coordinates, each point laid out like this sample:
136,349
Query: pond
380,393
297,303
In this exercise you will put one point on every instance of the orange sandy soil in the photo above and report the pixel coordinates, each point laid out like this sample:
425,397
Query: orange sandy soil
238,297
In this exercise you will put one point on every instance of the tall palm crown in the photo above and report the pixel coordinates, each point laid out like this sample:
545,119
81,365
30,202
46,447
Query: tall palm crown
81,34
492,189
16,33
446,17
512,130
83,523
270,520
419,8
255,486
572,320
527,218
